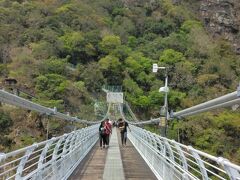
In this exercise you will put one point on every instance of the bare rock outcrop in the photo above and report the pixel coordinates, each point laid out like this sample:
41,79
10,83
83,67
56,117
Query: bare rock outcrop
222,18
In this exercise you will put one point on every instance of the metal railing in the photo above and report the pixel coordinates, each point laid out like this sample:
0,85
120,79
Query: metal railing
170,160
58,157
112,88
227,100
55,158
12,99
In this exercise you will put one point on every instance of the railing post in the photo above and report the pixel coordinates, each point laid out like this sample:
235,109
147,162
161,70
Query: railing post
2,157
164,151
199,162
64,163
171,155
167,145
56,155
233,173
73,141
238,91
72,145
24,161
56,148
66,144
42,158
182,156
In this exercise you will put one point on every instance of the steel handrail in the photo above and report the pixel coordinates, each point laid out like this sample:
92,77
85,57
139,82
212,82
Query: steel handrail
157,150
15,100
28,164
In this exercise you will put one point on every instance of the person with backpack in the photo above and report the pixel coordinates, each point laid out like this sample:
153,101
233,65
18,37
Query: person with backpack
102,135
122,125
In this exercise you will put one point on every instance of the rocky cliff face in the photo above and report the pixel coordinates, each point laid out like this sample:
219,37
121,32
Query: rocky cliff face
222,18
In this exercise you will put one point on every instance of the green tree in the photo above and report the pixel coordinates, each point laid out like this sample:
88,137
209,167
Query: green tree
163,27
51,86
156,98
175,98
132,87
123,26
188,25
170,56
73,44
79,48
54,66
137,63
132,41
43,50
143,102
109,63
92,77
110,43
111,68
121,52
133,67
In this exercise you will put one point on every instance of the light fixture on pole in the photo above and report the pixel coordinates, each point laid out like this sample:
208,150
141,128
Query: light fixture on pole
164,109
156,67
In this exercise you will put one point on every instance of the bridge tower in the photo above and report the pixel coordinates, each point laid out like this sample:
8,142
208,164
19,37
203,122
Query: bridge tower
114,99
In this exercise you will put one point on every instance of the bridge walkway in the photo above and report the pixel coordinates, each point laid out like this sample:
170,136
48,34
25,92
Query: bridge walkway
115,163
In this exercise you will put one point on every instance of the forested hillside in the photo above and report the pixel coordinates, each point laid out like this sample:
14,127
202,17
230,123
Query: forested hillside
63,52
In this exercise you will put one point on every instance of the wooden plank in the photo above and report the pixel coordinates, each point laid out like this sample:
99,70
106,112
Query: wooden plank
135,168
92,166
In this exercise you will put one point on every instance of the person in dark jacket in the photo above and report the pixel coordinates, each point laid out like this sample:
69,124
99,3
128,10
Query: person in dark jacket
102,135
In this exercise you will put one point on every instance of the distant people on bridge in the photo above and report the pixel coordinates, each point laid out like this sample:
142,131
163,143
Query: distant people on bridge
114,124
102,135
122,125
108,131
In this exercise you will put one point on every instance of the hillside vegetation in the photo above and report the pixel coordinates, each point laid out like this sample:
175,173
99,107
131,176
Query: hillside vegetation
63,52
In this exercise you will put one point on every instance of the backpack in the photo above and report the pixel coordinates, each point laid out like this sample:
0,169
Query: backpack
102,131
107,128
121,127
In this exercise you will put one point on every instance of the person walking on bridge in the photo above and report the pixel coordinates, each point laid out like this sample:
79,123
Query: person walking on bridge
102,135
108,128
123,130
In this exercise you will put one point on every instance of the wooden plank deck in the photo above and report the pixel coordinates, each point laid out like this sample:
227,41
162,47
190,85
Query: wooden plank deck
135,168
94,164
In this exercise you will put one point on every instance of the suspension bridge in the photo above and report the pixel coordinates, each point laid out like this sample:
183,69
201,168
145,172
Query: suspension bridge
76,155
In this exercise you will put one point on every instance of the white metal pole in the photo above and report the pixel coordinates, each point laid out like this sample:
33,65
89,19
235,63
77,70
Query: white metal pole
166,106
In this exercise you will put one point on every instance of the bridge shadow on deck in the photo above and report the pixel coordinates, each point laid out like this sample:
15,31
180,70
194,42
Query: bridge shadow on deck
92,166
